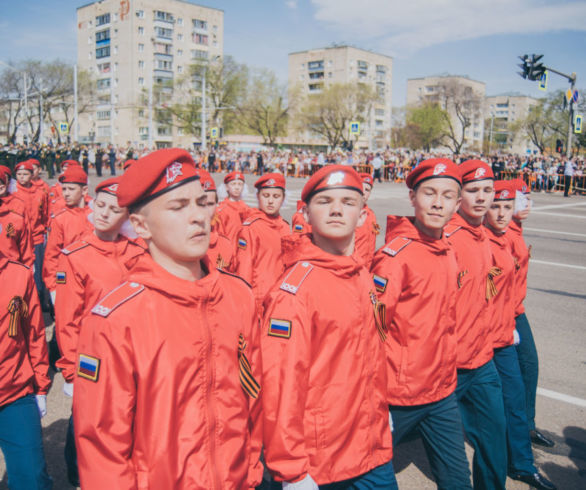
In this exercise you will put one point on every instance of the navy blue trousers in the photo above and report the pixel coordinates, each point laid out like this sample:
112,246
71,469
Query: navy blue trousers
529,364
21,441
519,443
480,398
381,478
441,427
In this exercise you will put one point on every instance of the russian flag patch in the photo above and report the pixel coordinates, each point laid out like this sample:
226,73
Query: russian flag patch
242,243
380,283
298,228
61,278
280,328
88,367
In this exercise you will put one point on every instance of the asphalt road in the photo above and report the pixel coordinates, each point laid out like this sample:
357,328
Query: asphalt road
556,309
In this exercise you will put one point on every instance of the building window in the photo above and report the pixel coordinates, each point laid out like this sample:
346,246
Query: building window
104,68
103,37
379,123
140,48
103,83
316,75
143,130
382,69
179,21
315,65
141,31
164,16
179,52
164,131
141,81
104,131
362,65
140,14
200,24
163,32
103,115
215,28
379,112
164,65
89,39
200,39
199,54
115,49
179,69
315,87
179,37
103,52
102,19
141,64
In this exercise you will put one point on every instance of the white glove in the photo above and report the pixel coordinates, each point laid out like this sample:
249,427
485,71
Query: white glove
306,484
53,295
516,337
391,421
68,388
41,404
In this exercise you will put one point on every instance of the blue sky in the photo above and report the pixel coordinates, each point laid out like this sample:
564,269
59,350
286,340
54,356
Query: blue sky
477,38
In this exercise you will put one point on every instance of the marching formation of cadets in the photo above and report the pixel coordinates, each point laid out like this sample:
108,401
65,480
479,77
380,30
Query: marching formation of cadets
212,345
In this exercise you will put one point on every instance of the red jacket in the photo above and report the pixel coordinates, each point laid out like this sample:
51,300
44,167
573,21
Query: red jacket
15,237
324,389
87,269
37,208
503,305
24,360
522,254
365,237
66,227
158,402
230,215
298,223
258,251
220,251
474,257
416,278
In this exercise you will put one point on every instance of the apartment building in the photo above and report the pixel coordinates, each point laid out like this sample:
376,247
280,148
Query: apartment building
313,70
129,46
470,95
500,113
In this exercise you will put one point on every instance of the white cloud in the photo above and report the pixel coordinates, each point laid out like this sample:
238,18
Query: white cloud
408,25
292,4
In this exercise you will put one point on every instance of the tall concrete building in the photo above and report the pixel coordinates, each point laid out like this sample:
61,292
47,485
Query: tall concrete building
446,89
129,46
501,112
311,71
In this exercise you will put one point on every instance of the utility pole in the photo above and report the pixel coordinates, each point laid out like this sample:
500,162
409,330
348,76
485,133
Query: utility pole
204,129
75,115
41,111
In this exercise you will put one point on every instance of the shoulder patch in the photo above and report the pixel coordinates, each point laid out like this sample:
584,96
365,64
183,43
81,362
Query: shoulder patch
74,247
116,297
380,283
242,243
297,228
234,275
296,276
279,328
449,229
396,245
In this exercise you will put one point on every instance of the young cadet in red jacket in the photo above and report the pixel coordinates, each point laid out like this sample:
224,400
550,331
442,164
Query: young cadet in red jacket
324,388
258,245
232,211
526,349
367,233
24,382
298,223
68,225
221,249
167,387
36,180
416,276
479,390
88,269
15,236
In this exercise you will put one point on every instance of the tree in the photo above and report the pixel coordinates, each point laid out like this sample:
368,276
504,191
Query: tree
329,113
263,109
426,126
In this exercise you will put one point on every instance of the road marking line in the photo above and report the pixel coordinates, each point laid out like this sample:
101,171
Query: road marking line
555,232
561,397
556,206
558,264
560,214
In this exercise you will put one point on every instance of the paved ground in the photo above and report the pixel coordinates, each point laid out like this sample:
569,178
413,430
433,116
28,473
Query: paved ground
556,308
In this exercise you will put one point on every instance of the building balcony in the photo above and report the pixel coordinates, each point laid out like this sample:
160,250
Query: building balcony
103,42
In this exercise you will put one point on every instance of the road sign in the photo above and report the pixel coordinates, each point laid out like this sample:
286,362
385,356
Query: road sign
569,95
63,128
355,128
578,123
543,81
575,96
214,133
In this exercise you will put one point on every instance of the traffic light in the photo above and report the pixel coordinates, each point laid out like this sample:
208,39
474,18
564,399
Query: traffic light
532,68
525,66
559,146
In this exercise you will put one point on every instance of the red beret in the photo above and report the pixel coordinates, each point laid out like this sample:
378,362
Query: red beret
69,163
433,168
521,186
206,180
504,190
26,165
367,178
110,186
233,176
473,170
5,173
34,161
300,205
73,175
332,177
270,180
155,174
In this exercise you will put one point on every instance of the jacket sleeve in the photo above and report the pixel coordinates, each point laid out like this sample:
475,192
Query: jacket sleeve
69,308
37,340
52,252
104,409
243,259
25,246
389,270
286,364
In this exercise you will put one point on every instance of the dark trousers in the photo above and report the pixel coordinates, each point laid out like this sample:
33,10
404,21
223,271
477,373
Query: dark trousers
113,166
99,167
71,455
480,398
86,165
529,365
443,436
377,175
519,443
382,477
44,297
21,441
567,183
